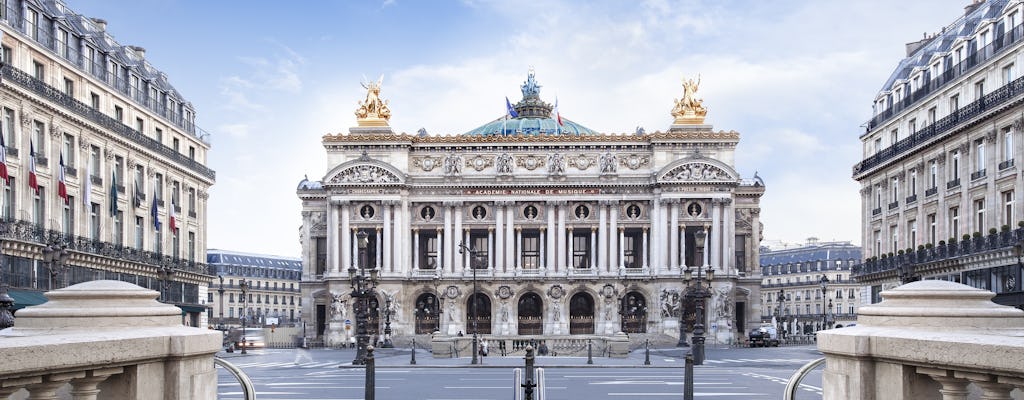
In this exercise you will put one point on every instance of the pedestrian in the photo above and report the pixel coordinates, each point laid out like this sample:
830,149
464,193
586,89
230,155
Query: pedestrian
501,347
352,341
483,347
302,352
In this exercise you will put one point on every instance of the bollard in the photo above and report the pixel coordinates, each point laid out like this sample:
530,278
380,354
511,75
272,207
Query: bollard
590,353
688,378
370,381
412,360
647,351
528,373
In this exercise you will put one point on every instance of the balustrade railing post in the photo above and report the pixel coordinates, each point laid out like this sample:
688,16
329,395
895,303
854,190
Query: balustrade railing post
370,381
688,378
412,359
528,385
590,352
647,351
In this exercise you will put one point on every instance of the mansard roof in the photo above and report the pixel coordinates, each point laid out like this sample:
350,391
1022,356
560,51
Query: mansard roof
943,42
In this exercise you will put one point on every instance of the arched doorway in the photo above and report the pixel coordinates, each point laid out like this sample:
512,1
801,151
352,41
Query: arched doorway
634,313
373,317
581,314
426,313
530,314
482,312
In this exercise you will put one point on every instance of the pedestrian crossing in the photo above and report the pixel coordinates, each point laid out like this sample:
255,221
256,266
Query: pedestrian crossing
758,361
331,364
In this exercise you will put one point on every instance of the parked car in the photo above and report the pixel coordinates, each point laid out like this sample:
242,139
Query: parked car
764,336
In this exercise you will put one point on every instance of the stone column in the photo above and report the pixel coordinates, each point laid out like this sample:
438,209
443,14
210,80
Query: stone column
379,250
656,225
552,252
729,237
621,246
593,260
416,248
673,252
561,236
716,234
449,237
543,255
499,236
388,237
332,238
602,236
613,241
510,244
490,248
346,256
519,247
441,252
459,262
645,249
569,246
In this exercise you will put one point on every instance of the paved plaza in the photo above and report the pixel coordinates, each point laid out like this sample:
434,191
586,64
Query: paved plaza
728,373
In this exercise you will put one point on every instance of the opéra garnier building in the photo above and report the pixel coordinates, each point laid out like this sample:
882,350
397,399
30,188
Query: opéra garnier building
574,232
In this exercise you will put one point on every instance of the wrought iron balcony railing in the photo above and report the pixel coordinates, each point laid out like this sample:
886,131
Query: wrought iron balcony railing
911,199
953,183
997,100
26,81
24,231
941,251
977,174
931,191
876,211
1006,164
894,205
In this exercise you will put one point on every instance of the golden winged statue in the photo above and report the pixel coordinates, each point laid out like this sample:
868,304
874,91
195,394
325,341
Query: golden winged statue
690,109
373,111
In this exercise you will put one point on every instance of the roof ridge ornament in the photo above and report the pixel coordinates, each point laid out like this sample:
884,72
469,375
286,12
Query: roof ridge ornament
689,110
373,111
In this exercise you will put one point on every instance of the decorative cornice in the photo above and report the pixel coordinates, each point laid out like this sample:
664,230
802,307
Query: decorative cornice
523,138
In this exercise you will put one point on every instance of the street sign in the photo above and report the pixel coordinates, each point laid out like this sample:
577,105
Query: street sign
348,322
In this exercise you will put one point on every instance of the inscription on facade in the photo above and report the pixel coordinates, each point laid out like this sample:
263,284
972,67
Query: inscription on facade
534,192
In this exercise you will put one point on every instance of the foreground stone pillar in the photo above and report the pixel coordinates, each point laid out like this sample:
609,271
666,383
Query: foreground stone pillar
108,340
927,339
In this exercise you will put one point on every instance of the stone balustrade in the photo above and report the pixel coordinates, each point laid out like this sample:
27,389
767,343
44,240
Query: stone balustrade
617,345
927,340
106,340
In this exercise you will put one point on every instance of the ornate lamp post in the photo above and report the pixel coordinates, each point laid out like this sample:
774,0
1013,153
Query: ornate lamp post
244,287
165,273
362,289
782,315
831,317
474,262
55,256
699,292
824,287
220,292
387,325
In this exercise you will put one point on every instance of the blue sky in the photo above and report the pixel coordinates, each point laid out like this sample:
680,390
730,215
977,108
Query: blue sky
269,78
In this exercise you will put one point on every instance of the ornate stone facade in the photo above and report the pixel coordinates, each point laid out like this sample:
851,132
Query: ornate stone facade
570,233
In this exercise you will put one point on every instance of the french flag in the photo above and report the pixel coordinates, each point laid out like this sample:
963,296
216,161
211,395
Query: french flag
62,188
170,212
3,161
32,167
556,114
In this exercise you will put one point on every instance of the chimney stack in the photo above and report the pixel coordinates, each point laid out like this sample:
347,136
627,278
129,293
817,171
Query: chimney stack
101,23
139,51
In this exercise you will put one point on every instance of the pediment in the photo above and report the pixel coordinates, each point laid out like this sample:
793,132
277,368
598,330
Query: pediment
363,172
701,170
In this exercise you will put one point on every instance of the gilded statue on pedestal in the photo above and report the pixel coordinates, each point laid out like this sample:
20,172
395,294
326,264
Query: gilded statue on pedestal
689,109
373,111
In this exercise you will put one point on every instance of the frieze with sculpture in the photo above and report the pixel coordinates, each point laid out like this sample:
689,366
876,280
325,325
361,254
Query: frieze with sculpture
635,161
697,172
670,304
365,174
504,163
453,164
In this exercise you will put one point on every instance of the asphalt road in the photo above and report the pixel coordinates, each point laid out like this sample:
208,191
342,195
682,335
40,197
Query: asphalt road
759,373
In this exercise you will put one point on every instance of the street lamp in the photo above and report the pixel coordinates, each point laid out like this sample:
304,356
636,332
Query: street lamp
220,292
55,256
782,316
363,286
831,317
165,273
387,325
699,292
244,287
474,263
824,287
